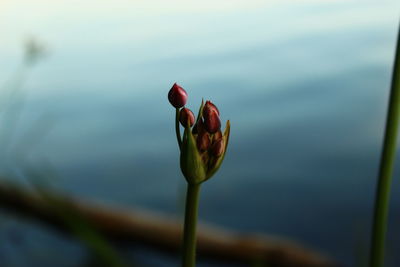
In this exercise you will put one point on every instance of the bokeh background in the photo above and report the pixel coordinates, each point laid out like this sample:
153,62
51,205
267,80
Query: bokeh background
304,83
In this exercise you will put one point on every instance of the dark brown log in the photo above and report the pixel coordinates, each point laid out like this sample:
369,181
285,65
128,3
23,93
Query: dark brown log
138,227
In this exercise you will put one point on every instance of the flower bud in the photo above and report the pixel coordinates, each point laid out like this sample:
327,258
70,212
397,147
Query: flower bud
203,141
208,107
199,127
186,115
212,122
203,145
217,148
217,136
177,96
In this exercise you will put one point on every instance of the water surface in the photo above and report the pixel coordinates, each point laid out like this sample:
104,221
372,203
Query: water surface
304,83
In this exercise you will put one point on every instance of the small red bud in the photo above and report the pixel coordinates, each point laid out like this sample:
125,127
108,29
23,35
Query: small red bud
186,115
217,136
218,148
199,127
203,141
208,107
177,96
212,122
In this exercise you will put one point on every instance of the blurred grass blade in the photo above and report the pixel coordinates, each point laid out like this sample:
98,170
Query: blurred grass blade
81,228
379,229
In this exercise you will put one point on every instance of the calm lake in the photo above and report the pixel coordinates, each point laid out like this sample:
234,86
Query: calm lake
304,83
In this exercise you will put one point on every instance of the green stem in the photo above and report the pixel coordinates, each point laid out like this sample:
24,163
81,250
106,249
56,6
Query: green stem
386,168
178,129
189,232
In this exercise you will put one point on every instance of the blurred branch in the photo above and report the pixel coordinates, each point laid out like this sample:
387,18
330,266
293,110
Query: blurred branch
127,226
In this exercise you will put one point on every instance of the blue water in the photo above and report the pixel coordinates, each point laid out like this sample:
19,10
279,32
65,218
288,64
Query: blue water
305,85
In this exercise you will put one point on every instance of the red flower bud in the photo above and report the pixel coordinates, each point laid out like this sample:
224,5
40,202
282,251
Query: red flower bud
217,148
217,136
212,122
208,107
186,115
203,141
199,127
177,96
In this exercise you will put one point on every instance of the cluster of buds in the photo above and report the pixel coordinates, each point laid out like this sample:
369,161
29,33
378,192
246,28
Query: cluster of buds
203,145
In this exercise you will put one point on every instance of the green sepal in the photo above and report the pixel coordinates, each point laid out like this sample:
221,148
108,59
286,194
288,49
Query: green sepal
200,114
211,171
192,165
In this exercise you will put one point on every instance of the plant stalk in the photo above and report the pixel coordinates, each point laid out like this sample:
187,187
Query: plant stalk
177,129
381,211
189,232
